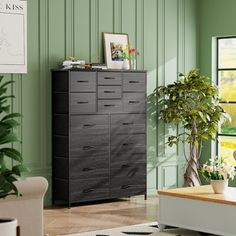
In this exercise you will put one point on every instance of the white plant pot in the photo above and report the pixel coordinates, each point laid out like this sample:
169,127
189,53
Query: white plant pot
219,186
125,65
8,227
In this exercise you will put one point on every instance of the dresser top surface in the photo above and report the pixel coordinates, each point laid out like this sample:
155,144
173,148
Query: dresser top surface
98,70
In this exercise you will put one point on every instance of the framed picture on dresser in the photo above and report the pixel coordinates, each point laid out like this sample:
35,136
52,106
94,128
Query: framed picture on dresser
116,49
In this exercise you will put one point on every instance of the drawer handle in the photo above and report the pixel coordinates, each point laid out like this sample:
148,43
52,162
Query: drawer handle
125,186
82,81
127,144
134,102
88,147
89,125
87,169
109,78
134,82
109,91
109,105
82,102
88,190
125,166
128,123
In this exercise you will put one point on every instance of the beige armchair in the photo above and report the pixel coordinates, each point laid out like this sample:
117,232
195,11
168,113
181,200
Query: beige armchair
28,209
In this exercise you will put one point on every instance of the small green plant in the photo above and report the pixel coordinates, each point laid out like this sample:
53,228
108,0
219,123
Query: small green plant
11,162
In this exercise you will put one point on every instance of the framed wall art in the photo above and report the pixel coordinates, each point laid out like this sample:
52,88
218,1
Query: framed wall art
116,50
13,36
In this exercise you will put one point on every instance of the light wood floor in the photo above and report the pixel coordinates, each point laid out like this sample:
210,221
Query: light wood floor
59,221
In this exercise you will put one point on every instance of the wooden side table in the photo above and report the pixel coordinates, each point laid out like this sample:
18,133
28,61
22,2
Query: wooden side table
199,209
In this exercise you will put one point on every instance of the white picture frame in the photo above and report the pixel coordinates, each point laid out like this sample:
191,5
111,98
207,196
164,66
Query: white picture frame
110,44
13,36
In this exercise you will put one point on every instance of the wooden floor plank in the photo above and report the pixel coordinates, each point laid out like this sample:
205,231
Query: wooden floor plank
135,210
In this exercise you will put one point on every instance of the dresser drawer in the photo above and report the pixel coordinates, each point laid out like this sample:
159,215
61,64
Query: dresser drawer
109,78
94,189
133,143
134,102
89,124
130,157
125,124
87,141
82,81
134,82
83,102
107,92
82,152
109,106
128,170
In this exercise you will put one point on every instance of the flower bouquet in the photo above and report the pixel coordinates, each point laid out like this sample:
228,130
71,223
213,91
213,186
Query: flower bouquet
218,171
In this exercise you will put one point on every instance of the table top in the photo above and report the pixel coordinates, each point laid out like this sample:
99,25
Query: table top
203,193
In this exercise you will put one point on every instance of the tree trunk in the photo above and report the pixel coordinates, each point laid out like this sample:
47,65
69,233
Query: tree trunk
191,176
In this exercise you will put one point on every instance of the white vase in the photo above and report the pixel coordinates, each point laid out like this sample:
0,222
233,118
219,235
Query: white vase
219,186
125,65
8,227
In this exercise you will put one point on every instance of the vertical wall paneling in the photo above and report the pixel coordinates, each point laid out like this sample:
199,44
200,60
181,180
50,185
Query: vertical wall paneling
69,27
150,64
171,50
82,29
129,20
94,39
117,16
105,22
164,31
140,32
161,71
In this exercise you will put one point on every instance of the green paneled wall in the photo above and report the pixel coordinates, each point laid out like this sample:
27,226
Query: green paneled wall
216,18
164,31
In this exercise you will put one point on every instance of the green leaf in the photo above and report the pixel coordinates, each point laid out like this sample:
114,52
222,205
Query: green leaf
12,153
11,116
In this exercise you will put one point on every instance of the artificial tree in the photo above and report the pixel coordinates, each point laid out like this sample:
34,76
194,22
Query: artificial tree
191,102
11,162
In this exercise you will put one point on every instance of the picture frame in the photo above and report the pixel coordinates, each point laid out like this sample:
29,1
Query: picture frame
113,44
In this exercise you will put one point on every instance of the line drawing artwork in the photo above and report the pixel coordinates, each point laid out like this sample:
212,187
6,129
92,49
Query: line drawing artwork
12,39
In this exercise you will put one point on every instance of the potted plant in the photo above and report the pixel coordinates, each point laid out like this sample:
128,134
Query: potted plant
218,171
11,162
191,102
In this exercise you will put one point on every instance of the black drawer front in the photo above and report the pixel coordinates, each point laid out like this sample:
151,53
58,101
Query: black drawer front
128,190
60,146
60,103
128,157
61,124
134,82
82,81
127,170
89,150
60,189
109,78
88,168
89,124
85,190
83,168
89,140
128,140
128,144
134,102
109,106
107,92
60,81
83,102
125,124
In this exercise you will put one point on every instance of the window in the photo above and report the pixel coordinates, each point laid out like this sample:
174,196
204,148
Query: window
226,80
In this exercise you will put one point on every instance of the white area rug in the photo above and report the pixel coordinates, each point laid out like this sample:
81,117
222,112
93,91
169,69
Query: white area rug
141,229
